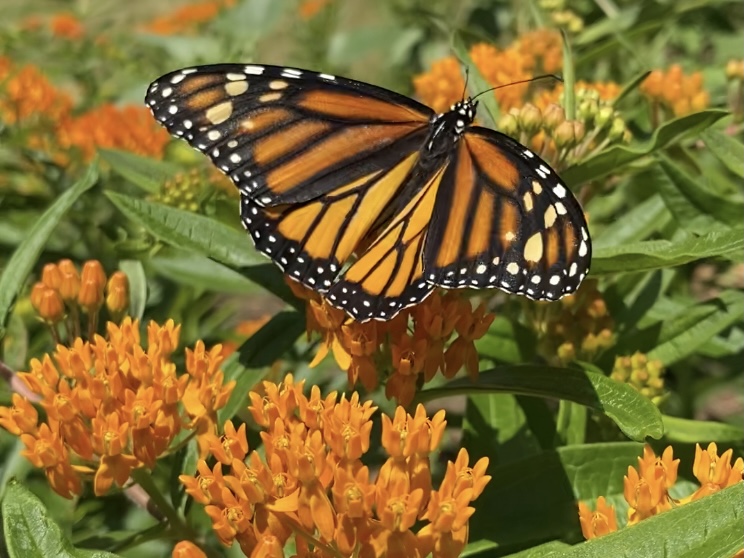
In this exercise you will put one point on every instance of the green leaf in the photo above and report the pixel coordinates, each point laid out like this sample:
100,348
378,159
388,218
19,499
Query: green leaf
691,431
569,78
656,254
682,337
25,256
636,416
137,287
495,424
636,224
197,270
144,172
709,527
729,151
631,86
695,207
612,159
533,499
506,341
476,82
249,365
29,531
187,231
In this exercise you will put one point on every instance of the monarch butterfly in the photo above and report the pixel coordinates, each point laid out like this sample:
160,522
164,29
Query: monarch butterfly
371,198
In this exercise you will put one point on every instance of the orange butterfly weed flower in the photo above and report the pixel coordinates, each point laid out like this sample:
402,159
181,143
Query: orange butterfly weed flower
187,18
599,522
538,50
26,94
187,549
676,91
646,488
66,26
310,8
311,484
715,472
130,128
112,405
373,351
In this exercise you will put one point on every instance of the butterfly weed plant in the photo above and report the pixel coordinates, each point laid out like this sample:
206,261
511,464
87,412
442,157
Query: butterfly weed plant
178,386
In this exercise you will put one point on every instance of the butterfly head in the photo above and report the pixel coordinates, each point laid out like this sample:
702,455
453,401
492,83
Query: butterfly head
464,113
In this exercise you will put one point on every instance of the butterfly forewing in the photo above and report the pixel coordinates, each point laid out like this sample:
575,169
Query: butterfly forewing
280,133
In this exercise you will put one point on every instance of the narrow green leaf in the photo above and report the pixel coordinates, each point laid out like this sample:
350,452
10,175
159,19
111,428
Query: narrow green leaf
709,527
476,82
631,86
634,414
614,158
144,172
656,254
25,256
690,201
719,314
691,431
729,151
189,231
30,532
569,78
137,286
197,270
249,365
638,223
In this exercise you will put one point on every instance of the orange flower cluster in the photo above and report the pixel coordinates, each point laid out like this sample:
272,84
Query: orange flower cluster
676,91
28,99
310,8
66,26
188,18
375,350
64,292
311,484
26,95
443,84
130,128
578,327
112,406
647,487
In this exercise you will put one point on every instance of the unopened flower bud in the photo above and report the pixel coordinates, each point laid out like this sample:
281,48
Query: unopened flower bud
92,283
553,116
617,129
51,276
51,306
564,135
604,117
70,284
117,293
508,125
735,70
530,119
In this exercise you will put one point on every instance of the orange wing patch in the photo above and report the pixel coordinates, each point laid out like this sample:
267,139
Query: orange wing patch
357,107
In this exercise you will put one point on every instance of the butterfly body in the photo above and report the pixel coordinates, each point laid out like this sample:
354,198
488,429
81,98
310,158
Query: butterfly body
371,198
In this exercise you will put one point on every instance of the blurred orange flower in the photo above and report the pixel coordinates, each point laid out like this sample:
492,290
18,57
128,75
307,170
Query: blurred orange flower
66,26
188,18
129,128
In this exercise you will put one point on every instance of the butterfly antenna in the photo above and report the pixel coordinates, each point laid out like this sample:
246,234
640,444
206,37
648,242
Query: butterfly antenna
465,88
536,78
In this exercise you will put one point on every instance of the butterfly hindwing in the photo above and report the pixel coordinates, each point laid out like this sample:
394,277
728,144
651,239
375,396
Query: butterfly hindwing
503,219
388,276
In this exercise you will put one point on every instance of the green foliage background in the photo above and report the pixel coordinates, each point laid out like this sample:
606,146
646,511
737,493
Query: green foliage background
669,203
